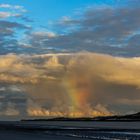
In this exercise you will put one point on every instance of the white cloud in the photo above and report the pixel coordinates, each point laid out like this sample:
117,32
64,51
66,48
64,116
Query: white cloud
44,34
16,7
5,6
8,14
11,10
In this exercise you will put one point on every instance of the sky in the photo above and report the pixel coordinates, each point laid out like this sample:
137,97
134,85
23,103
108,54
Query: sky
46,10
77,58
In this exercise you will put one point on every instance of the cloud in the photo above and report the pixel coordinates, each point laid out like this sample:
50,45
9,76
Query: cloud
71,84
8,14
8,11
105,29
11,27
12,100
129,102
101,29
16,7
8,35
10,111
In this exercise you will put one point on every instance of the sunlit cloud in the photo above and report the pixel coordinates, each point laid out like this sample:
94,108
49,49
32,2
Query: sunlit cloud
73,84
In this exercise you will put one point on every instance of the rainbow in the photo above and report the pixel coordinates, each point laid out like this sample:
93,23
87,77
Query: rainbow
78,93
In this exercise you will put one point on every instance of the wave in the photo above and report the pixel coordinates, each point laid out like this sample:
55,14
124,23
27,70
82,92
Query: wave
96,135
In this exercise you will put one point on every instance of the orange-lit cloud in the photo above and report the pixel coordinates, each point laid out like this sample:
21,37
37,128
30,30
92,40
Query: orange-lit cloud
78,84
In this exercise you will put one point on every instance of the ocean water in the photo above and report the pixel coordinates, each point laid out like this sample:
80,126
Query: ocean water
68,130
96,135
